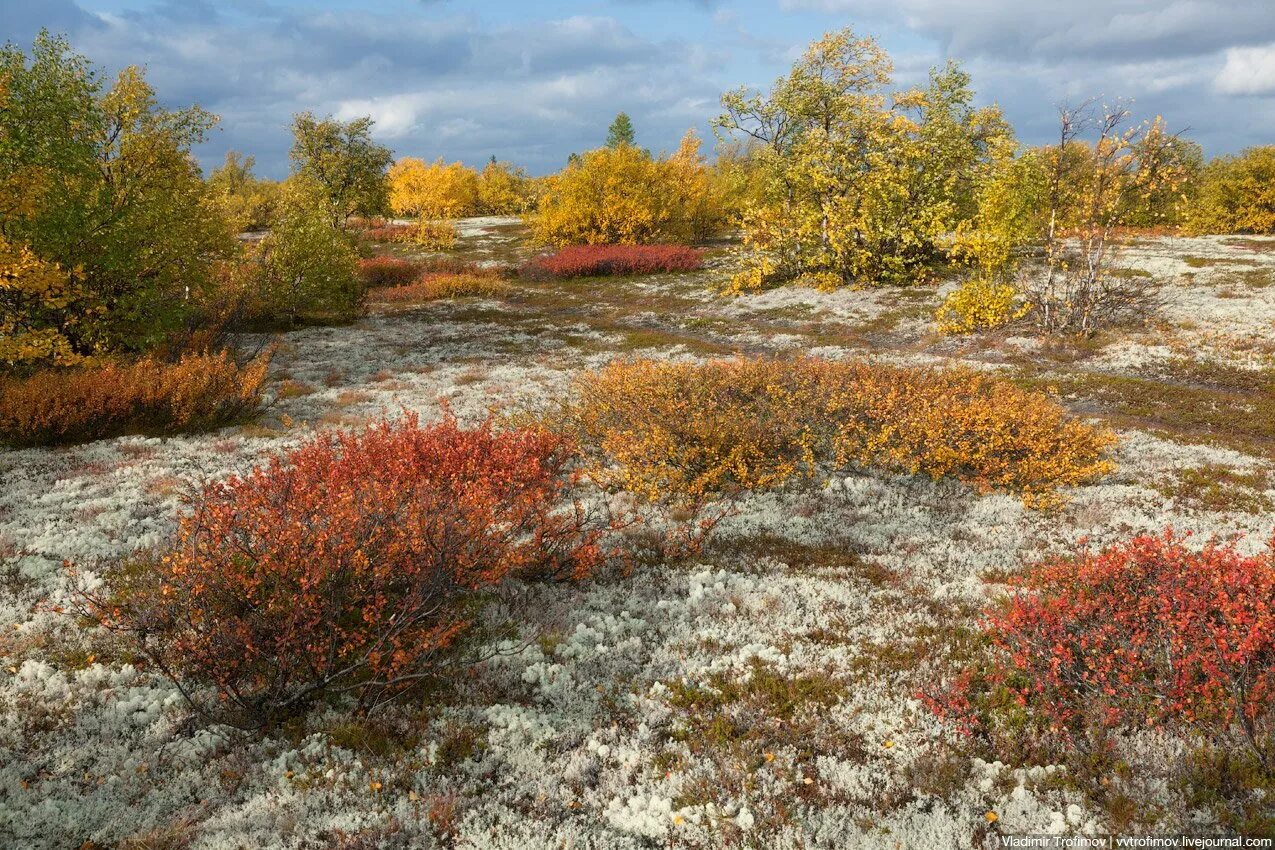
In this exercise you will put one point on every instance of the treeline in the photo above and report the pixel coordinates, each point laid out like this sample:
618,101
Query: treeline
112,242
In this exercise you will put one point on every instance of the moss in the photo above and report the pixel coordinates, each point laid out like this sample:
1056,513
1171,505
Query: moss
368,737
1191,402
294,389
1234,786
1218,488
745,717
460,742
832,559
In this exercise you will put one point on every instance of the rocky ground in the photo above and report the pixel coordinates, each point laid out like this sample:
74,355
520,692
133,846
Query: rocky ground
760,695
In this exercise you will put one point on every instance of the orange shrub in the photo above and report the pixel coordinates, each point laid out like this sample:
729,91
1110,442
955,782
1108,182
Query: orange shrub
199,392
354,564
432,286
694,432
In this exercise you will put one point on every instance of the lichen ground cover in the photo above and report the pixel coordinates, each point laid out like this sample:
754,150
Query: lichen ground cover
761,694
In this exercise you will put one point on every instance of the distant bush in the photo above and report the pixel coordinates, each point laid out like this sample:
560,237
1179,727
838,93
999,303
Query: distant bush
197,393
387,271
305,270
435,235
504,189
695,432
599,260
1145,633
434,285
1236,194
386,232
247,202
434,191
624,195
353,565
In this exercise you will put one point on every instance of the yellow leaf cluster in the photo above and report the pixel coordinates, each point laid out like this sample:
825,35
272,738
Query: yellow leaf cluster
623,195
432,191
689,433
979,304
32,289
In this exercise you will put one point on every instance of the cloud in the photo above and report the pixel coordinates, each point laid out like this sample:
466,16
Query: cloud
1248,71
437,83
1116,29
1183,59
511,81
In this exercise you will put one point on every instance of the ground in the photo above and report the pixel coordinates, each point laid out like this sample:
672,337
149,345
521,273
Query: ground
761,694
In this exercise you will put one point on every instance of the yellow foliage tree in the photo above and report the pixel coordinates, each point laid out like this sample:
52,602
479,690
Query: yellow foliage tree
434,191
860,185
1237,194
34,299
1006,219
623,195
503,189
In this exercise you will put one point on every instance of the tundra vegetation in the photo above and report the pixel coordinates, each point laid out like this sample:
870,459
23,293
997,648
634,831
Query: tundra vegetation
879,480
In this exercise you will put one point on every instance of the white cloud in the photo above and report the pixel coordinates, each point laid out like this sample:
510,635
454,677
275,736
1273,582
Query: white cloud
1116,29
1248,70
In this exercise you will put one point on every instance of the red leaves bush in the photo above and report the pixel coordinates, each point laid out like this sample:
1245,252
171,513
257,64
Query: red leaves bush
390,233
354,564
1145,632
387,271
600,260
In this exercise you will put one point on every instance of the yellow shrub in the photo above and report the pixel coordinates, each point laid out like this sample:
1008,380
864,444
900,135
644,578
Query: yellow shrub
434,191
1236,194
39,300
690,433
623,195
503,190
435,235
979,304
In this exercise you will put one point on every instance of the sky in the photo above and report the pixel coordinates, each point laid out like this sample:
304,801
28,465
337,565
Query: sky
531,82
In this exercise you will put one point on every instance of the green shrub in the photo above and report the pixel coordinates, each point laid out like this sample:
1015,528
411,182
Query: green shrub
1237,194
306,270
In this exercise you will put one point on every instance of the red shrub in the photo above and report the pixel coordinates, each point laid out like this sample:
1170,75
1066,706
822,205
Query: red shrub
598,260
391,233
1148,631
387,271
352,564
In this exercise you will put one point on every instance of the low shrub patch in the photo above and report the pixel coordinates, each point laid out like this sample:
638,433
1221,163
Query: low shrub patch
695,432
199,392
600,260
1146,633
388,271
353,565
435,285
390,233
